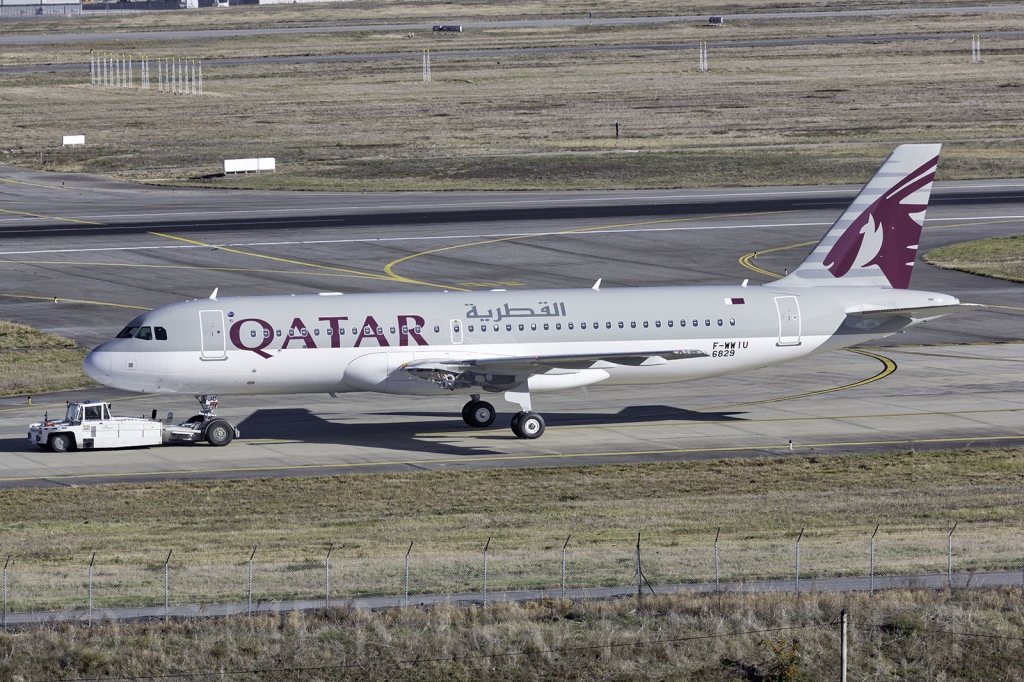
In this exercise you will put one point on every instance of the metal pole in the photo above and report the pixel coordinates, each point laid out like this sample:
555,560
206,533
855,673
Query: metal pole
167,585
639,572
200,76
407,572
872,578
798,560
90,587
563,564
949,557
485,570
5,590
843,627
249,612
718,586
327,578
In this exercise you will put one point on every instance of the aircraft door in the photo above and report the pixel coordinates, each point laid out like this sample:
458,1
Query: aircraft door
456,326
214,346
789,320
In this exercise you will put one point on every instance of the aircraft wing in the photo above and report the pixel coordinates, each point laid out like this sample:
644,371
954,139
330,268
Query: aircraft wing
534,364
922,313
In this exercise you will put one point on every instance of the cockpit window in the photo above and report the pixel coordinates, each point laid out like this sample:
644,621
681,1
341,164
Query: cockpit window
144,333
127,332
161,333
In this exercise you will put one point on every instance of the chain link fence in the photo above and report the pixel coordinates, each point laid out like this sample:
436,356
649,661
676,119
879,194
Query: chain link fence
424,567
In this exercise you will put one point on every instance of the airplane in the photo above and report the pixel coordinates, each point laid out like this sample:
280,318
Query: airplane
853,287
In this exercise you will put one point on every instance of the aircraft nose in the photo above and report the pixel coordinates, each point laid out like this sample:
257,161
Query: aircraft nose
97,365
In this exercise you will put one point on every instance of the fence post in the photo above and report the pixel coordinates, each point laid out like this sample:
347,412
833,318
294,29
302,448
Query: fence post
249,611
90,586
843,628
485,571
949,557
5,590
563,564
407,573
167,585
717,584
871,584
327,577
798,560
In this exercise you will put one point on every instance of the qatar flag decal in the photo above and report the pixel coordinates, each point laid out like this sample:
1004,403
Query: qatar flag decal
886,233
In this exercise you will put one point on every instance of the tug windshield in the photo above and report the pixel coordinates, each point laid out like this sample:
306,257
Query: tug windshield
73,410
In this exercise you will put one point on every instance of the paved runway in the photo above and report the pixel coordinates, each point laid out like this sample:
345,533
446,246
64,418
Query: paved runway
105,250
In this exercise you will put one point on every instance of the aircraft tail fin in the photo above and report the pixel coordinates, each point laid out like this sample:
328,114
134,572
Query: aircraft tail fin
874,243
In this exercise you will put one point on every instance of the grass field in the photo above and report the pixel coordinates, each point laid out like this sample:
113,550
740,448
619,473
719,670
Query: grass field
677,505
1000,257
924,635
33,362
776,115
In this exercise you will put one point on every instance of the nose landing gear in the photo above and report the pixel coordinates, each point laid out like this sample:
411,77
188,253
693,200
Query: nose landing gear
215,431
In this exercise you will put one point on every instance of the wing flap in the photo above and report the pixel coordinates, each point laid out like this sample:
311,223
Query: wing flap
921,313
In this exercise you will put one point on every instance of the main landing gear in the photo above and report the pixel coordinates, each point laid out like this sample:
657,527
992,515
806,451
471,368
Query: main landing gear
525,424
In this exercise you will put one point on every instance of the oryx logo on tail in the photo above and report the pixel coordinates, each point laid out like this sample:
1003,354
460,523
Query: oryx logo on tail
887,232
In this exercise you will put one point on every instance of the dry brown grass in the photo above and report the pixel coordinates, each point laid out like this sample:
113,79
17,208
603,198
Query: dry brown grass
34,362
762,503
999,257
895,635
798,114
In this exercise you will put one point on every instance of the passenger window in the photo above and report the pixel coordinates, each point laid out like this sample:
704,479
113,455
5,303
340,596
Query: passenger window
682,323
597,325
696,323
645,324
419,329
497,328
437,329
583,325
392,330
470,327
266,333
380,331
522,327
657,323
278,332
161,333
508,327
719,322
304,332
533,327
144,333
355,330
621,324
330,332
252,333
570,325
405,328
607,325
316,331
483,328
546,327
93,412
732,321
632,324
127,332
707,323
558,326
670,323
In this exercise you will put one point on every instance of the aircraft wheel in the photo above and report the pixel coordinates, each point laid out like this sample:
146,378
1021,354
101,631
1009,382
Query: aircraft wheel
219,433
531,425
516,418
60,442
478,413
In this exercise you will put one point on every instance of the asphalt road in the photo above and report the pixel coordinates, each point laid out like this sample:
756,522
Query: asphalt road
106,249
43,39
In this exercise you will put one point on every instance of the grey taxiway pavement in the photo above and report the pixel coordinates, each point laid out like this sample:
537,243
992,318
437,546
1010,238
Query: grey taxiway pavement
105,250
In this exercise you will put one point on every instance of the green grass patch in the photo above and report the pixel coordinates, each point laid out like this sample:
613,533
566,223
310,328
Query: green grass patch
15,335
999,257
